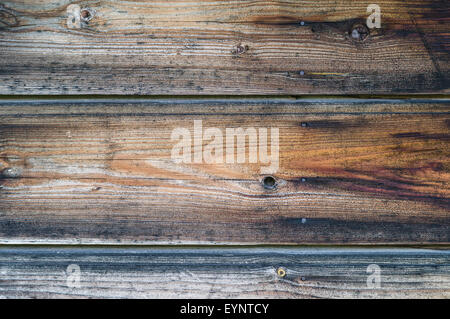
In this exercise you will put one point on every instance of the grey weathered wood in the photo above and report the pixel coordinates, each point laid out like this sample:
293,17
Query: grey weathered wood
100,171
223,273
222,47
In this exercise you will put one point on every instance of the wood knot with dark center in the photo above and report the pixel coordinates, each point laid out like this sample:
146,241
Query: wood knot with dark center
86,15
359,32
269,182
240,49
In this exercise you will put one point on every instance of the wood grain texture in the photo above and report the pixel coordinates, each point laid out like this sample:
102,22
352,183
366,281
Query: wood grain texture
101,171
222,273
222,47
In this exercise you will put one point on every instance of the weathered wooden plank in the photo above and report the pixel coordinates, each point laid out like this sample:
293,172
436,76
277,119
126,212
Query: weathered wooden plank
223,47
223,273
348,171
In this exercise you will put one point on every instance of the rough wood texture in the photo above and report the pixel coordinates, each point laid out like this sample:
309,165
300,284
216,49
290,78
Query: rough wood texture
223,273
351,171
222,47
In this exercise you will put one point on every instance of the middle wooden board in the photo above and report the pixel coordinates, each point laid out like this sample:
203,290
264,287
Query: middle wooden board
194,171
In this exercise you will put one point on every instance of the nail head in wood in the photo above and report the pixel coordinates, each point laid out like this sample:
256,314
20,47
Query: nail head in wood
281,272
11,172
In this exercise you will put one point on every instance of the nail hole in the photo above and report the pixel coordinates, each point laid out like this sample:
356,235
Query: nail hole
302,23
303,279
303,124
281,272
269,182
303,179
302,72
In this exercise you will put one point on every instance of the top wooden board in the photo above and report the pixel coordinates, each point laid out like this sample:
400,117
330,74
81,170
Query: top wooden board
223,47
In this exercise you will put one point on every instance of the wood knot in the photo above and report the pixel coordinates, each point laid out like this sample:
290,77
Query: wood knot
86,15
359,32
240,49
7,18
269,182
78,17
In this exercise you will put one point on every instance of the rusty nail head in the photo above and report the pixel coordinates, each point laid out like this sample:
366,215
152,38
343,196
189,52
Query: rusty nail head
281,272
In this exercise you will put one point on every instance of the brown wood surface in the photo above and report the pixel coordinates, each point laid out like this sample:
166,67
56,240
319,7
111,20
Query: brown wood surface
222,47
100,171
222,273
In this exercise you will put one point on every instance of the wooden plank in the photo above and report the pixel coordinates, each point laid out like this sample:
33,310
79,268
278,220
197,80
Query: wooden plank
102,171
223,47
223,273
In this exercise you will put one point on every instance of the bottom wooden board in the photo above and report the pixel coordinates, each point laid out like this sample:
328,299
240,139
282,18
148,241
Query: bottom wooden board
223,273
